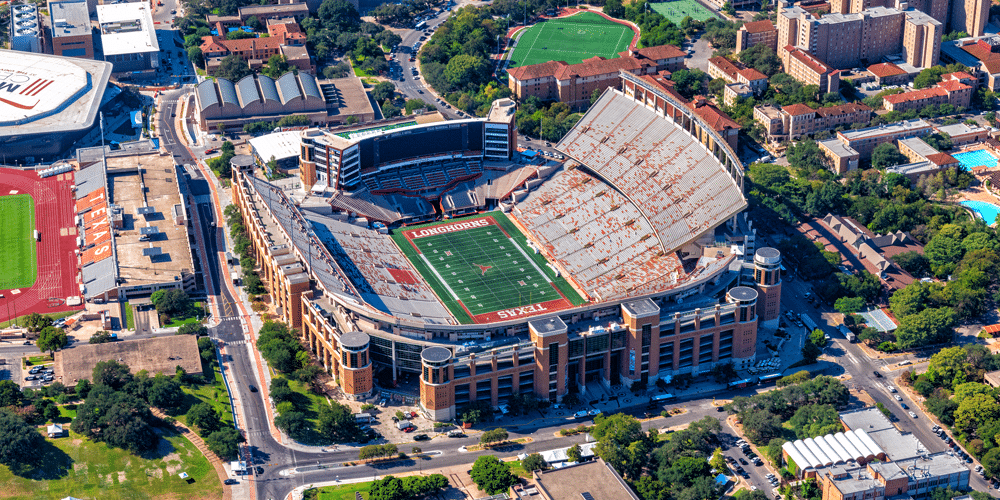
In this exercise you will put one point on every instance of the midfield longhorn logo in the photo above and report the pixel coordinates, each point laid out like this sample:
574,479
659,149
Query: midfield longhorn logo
29,87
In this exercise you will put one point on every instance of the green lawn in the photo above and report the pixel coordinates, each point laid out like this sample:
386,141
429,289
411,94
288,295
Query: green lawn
677,10
54,317
18,262
196,314
214,394
342,492
571,39
129,317
75,466
308,404
480,270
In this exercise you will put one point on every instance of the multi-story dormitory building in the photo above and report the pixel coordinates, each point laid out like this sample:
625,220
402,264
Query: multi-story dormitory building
684,302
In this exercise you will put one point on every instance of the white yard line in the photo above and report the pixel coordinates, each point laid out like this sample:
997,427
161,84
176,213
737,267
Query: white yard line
439,277
530,260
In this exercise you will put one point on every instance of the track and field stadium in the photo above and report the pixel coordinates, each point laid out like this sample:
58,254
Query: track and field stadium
440,250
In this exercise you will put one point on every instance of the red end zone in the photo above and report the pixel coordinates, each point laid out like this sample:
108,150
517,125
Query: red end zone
520,312
413,234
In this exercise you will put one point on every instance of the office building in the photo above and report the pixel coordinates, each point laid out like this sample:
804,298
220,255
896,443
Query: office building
574,84
128,39
71,34
757,33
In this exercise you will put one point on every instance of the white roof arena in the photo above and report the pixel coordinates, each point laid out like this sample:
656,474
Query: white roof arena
42,93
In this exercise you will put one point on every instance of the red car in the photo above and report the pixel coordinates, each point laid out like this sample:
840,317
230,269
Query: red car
410,429
211,151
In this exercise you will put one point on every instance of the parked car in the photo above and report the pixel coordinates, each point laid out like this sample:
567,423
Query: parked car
912,415
898,397
383,403
421,437
743,461
230,481
455,433
252,388
903,405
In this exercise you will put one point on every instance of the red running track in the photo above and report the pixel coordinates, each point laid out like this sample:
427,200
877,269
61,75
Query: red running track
55,209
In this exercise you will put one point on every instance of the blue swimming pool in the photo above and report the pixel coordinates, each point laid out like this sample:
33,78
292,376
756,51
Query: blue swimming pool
987,211
977,158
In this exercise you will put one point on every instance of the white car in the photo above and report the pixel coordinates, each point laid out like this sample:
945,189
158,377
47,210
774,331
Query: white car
898,397
912,415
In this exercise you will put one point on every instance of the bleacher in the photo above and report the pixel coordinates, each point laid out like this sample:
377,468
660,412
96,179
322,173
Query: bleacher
421,179
681,188
367,256
597,235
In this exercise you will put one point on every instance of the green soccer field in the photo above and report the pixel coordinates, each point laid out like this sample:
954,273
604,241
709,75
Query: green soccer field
570,39
483,273
18,266
677,10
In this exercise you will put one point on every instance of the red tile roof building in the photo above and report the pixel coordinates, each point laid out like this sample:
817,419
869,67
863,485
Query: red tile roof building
888,74
950,91
757,33
809,70
797,120
573,84
735,72
285,39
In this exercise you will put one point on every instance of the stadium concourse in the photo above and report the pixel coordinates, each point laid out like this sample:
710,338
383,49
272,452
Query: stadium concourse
56,286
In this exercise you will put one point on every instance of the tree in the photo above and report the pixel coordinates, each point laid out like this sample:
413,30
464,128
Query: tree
52,339
276,66
339,70
196,329
10,394
849,305
806,158
35,322
294,423
614,8
685,470
689,83
337,423
991,462
20,443
887,155
761,426
233,68
574,454
718,460
729,9
494,436
164,392
930,326
239,35
225,442
534,462
390,110
492,475
173,301
204,417
465,70
913,262
415,104
818,338
82,388
387,488
815,420
975,411
195,55
117,418
100,337
112,374
810,352
761,58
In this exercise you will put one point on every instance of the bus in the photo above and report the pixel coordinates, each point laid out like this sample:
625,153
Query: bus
662,398
770,378
421,25
741,384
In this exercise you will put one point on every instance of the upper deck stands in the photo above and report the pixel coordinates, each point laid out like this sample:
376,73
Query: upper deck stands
681,188
598,236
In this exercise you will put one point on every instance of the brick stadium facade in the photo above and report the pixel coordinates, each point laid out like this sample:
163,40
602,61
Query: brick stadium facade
636,337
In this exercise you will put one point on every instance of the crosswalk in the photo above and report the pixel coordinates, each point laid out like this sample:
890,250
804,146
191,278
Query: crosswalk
229,318
237,342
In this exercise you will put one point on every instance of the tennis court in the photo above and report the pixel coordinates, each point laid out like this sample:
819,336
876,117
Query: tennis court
571,39
18,266
482,272
677,10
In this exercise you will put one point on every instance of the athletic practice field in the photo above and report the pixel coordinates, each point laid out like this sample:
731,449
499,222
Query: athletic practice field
483,270
18,266
571,39
677,10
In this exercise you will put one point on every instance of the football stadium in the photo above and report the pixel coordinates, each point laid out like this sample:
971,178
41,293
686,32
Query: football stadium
439,250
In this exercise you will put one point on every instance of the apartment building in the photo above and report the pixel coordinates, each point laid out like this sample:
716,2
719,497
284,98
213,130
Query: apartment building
970,16
855,6
922,39
951,92
806,68
924,160
798,120
849,40
757,33
733,92
980,54
736,72
573,84
849,147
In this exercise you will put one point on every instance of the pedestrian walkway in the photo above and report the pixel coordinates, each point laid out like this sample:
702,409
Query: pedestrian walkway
227,492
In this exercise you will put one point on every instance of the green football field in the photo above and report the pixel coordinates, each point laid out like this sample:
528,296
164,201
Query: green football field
483,270
677,10
570,39
18,267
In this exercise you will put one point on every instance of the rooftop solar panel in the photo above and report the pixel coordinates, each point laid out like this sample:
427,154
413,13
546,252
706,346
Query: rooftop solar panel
152,252
149,230
146,210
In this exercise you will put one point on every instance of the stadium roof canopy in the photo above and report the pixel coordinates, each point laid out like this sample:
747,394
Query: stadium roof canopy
49,94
